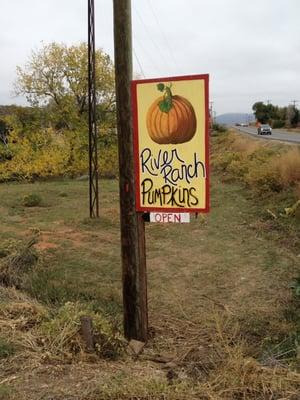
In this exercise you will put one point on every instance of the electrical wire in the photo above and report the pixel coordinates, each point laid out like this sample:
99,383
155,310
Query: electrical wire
162,33
139,63
148,54
150,36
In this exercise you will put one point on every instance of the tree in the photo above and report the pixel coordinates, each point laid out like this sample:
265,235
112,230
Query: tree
56,77
292,116
266,113
261,112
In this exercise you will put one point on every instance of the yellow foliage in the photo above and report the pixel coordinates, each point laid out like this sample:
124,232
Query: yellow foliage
49,153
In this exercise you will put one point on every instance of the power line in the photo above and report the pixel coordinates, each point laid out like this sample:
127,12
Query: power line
150,36
162,33
138,61
149,56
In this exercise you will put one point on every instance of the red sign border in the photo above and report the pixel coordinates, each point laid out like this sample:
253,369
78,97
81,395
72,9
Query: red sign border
134,83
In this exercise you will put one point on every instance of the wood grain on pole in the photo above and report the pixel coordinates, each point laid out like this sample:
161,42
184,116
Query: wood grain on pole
132,223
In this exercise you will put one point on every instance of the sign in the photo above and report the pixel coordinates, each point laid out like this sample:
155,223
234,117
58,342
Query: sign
171,121
170,217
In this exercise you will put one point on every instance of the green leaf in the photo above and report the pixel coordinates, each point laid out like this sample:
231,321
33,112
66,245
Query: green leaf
165,105
160,87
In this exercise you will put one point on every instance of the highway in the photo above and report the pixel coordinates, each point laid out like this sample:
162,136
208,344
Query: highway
277,134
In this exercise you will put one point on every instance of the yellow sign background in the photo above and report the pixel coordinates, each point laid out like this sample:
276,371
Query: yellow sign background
194,92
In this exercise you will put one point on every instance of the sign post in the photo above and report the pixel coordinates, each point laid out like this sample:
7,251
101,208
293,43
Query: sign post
132,223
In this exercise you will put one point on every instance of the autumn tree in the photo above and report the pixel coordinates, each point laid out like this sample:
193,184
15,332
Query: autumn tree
55,77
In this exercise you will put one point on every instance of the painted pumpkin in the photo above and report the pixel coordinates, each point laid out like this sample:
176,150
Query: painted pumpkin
171,119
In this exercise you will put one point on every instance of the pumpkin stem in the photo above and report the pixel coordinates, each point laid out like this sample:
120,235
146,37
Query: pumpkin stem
166,104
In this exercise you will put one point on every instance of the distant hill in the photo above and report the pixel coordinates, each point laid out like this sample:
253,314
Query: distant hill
234,118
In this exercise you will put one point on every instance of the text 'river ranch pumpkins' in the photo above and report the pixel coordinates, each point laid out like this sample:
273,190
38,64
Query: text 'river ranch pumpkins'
171,119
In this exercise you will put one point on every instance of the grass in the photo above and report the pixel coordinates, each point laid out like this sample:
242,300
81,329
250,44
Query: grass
5,392
7,349
220,302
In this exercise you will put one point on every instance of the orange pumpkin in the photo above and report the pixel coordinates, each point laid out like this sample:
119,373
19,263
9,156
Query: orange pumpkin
173,122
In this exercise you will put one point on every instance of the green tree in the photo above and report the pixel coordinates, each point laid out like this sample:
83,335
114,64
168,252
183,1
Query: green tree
267,113
262,112
292,116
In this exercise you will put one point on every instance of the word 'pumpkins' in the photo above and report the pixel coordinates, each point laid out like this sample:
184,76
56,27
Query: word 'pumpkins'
171,119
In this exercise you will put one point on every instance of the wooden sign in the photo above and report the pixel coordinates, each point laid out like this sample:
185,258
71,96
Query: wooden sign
171,121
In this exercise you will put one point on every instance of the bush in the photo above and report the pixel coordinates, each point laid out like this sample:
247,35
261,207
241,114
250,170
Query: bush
278,123
263,167
32,200
219,128
50,153
264,180
15,266
62,337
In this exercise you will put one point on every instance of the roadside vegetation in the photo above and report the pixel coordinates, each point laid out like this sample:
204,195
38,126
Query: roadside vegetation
223,298
277,117
224,290
49,138
265,168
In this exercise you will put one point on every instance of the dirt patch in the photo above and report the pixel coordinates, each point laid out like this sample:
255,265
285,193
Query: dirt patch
43,245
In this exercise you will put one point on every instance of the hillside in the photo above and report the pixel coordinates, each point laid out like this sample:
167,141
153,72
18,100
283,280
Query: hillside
234,118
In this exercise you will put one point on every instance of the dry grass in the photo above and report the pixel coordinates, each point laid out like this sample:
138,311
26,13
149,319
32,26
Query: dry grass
242,144
288,167
218,301
15,266
210,360
44,334
264,166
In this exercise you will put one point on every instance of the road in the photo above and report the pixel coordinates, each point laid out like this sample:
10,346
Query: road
277,134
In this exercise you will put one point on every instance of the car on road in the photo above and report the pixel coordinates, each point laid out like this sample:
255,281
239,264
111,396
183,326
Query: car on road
264,129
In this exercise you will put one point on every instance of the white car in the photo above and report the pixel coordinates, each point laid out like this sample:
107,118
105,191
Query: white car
264,129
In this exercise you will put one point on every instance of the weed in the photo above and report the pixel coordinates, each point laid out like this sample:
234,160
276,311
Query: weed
61,333
15,266
7,349
5,392
32,200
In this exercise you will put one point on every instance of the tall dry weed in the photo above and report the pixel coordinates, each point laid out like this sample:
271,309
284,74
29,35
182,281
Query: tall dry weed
288,167
244,145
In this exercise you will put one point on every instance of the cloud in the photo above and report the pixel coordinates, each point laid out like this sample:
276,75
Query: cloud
251,49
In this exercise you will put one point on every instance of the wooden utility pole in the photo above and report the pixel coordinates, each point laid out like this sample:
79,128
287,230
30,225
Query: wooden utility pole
132,224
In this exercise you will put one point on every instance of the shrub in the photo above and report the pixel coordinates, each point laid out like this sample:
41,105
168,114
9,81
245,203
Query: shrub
288,166
219,128
32,200
263,167
263,180
61,334
15,266
278,123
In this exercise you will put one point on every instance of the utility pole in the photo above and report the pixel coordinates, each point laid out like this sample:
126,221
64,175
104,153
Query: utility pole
294,102
93,153
132,223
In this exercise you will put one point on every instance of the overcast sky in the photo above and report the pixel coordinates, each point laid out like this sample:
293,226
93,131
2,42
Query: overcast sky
251,49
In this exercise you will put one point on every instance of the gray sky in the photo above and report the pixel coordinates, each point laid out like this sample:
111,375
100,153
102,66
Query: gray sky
251,49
